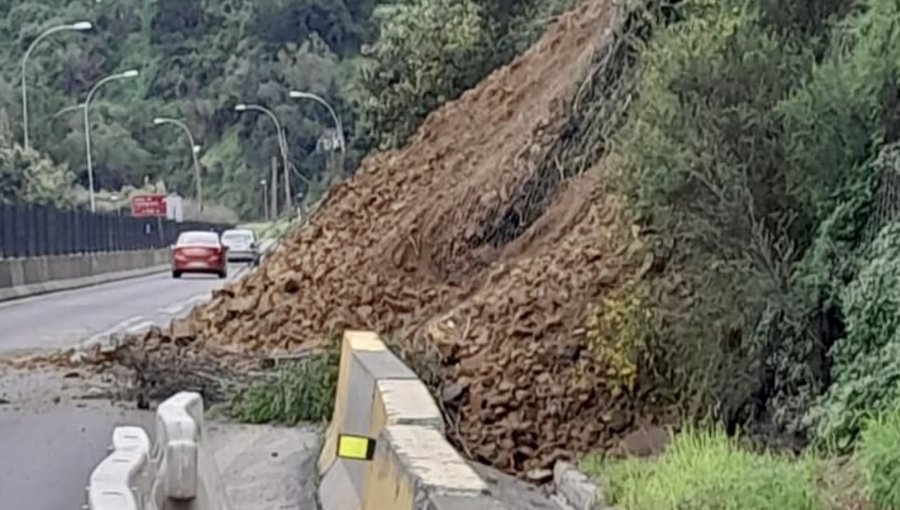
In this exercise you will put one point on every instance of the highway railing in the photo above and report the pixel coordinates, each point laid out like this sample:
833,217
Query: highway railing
36,231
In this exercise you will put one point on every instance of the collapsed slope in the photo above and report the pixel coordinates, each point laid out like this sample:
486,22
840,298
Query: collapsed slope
456,245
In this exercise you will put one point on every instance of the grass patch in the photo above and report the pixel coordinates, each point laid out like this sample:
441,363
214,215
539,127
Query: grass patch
879,459
706,470
302,391
269,230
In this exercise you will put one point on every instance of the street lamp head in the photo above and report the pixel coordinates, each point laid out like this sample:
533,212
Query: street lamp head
157,121
131,73
197,149
82,25
296,94
240,108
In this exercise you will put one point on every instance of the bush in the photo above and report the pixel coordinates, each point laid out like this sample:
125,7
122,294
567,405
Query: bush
836,119
708,471
301,392
866,362
428,52
704,166
879,458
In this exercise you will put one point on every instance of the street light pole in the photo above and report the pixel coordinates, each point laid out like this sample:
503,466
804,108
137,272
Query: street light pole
68,109
132,73
79,26
263,183
282,145
194,150
319,99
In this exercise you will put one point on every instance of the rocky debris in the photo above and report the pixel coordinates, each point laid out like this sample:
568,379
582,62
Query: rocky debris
643,442
575,490
467,252
512,492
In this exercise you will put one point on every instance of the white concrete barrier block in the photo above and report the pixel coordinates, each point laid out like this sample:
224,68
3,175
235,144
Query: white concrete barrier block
119,482
131,438
181,470
179,425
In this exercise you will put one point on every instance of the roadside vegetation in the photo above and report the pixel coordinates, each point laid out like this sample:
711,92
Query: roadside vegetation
703,469
760,157
706,470
270,229
297,391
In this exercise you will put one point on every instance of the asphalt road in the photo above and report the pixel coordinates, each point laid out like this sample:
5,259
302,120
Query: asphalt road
68,318
51,439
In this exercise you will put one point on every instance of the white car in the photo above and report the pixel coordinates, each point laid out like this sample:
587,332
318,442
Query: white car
242,246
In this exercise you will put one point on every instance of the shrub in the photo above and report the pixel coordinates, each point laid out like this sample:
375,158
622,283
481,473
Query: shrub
879,458
621,331
302,391
708,471
704,166
428,52
866,362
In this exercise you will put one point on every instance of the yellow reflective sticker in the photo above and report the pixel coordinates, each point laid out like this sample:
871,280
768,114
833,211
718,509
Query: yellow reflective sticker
355,447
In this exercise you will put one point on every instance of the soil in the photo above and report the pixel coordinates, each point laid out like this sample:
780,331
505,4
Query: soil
431,245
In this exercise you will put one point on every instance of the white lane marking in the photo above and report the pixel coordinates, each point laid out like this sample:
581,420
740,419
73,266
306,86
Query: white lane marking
113,330
176,308
141,326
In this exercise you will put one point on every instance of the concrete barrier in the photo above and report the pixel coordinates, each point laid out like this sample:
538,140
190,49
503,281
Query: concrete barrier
118,483
177,473
413,466
26,277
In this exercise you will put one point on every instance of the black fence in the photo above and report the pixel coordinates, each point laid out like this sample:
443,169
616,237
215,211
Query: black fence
32,231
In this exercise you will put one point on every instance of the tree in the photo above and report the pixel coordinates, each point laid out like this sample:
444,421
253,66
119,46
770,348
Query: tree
428,52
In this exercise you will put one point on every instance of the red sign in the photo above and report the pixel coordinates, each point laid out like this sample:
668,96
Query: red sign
143,206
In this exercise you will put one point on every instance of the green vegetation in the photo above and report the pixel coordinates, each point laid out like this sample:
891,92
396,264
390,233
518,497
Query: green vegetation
269,230
708,471
762,145
384,64
879,458
301,391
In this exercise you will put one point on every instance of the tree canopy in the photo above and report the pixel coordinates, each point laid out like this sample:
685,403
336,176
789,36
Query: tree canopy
382,64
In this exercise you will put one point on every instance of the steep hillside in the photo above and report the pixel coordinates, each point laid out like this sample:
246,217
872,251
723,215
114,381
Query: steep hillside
463,249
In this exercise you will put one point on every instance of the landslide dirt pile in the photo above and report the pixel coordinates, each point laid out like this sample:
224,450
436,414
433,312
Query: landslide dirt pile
463,245
523,384
410,235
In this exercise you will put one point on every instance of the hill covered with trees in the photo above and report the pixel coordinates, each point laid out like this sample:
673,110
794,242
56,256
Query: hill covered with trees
383,65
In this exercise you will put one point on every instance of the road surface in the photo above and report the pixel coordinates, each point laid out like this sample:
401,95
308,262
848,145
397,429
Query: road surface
51,439
66,319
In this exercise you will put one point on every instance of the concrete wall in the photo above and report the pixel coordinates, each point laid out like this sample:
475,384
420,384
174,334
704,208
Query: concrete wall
414,467
31,276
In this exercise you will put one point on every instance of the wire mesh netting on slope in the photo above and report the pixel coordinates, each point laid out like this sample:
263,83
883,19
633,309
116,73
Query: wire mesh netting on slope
473,242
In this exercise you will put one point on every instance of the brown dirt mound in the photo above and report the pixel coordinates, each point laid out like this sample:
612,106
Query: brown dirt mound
531,391
428,244
398,244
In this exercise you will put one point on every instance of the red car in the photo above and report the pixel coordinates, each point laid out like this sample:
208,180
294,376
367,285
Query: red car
199,252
